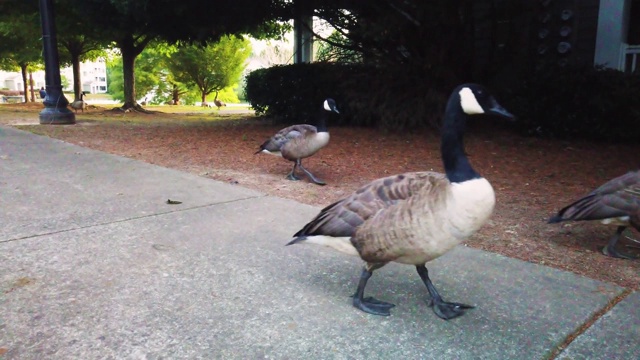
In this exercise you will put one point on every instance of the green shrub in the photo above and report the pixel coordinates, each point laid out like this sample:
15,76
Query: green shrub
391,98
291,93
579,102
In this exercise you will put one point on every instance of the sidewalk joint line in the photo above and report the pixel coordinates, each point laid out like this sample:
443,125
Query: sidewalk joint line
129,219
588,324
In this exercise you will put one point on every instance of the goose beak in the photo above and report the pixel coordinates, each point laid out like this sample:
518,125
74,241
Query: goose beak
497,109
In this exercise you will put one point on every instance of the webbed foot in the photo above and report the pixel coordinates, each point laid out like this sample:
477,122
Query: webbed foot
610,249
292,177
613,252
448,310
373,306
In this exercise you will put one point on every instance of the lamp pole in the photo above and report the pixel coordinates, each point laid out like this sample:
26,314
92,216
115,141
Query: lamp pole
55,103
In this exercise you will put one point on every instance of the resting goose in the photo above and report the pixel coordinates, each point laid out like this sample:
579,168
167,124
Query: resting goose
413,218
297,142
617,202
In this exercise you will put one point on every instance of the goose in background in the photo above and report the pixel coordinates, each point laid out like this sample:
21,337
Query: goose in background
617,202
79,104
413,218
297,142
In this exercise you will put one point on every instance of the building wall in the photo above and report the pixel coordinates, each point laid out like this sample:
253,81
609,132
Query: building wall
536,31
93,76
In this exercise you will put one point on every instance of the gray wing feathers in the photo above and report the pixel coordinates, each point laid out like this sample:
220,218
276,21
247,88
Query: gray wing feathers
277,141
345,216
615,198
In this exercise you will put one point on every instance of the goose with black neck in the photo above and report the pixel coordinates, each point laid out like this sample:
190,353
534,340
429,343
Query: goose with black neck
413,218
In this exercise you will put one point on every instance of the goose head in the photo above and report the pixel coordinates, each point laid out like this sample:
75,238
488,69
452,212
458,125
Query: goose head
475,99
330,105
465,101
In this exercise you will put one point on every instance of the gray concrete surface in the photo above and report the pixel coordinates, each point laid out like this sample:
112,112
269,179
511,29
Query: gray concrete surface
616,335
95,265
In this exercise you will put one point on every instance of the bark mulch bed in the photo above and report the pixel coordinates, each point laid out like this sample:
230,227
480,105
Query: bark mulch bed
532,177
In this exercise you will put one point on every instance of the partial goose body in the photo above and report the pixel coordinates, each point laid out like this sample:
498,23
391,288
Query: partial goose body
617,202
390,219
303,136
79,104
413,218
297,142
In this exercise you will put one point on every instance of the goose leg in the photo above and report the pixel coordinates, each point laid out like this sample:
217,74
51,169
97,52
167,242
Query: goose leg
292,174
369,304
444,310
310,175
610,249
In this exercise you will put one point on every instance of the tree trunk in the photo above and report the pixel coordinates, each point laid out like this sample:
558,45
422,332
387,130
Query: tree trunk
128,71
33,97
204,98
77,79
175,95
25,83
130,50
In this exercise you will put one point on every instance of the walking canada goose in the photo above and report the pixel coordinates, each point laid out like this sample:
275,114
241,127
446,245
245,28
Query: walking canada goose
79,104
413,218
297,142
617,202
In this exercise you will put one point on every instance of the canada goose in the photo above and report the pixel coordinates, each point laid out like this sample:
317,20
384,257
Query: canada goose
79,104
617,202
413,218
219,103
297,142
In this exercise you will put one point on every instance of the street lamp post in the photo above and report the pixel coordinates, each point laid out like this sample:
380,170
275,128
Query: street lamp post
55,103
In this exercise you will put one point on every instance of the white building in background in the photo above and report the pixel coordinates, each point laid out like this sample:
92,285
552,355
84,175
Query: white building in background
93,75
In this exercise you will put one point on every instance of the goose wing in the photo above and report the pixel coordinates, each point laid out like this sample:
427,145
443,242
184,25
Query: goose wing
617,197
344,217
277,141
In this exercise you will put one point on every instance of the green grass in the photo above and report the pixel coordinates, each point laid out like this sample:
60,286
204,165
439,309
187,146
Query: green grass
164,114
191,109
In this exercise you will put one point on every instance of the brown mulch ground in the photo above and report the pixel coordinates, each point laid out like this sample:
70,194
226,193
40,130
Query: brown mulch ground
532,177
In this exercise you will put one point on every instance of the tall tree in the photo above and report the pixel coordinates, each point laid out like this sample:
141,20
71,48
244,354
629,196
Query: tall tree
133,24
213,67
20,45
78,41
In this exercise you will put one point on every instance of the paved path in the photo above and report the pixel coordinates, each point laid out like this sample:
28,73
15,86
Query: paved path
94,264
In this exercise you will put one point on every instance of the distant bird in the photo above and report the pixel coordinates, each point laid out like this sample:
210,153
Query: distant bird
413,218
144,101
219,103
297,142
79,104
617,202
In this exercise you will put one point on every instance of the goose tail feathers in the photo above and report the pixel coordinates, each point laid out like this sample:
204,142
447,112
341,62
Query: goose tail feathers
296,240
583,209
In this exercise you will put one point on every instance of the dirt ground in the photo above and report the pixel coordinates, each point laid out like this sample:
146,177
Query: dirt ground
533,178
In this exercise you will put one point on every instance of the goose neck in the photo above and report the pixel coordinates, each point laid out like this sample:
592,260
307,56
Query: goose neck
321,126
456,163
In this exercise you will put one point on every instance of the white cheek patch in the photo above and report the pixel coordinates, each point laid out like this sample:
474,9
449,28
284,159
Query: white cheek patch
326,106
469,103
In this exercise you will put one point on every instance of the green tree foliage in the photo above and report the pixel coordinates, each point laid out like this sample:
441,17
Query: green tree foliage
78,41
20,45
437,39
149,72
133,24
213,67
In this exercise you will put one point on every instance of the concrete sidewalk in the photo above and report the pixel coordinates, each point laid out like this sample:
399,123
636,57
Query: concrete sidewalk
94,264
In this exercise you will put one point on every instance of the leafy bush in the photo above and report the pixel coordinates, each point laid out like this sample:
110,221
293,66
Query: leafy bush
579,102
290,93
391,98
